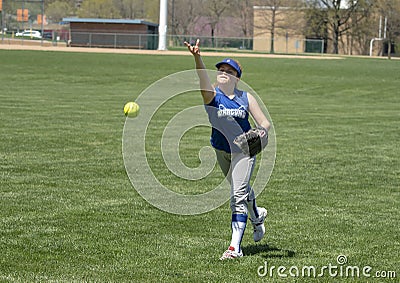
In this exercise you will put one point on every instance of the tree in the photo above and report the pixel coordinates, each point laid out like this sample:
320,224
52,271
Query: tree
151,10
278,17
358,36
127,8
183,16
338,17
137,9
214,11
58,10
243,9
102,9
390,10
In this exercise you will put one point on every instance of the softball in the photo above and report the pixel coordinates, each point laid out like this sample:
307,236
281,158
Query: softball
131,109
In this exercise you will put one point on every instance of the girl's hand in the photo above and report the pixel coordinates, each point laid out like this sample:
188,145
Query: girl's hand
194,49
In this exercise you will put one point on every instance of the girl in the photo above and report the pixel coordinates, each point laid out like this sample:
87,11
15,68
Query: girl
228,110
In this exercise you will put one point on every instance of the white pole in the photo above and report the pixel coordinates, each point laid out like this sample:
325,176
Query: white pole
323,46
162,27
380,27
384,31
371,44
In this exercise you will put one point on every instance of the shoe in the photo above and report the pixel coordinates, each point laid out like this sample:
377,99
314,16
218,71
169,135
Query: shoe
231,254
258,225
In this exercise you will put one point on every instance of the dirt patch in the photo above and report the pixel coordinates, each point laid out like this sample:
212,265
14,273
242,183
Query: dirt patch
14,44
48,46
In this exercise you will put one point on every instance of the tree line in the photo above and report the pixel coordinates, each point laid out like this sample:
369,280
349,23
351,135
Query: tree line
328,19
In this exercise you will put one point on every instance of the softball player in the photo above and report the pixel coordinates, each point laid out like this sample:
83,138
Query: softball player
228,110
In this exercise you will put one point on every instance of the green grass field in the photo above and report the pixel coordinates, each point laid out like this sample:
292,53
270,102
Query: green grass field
69,213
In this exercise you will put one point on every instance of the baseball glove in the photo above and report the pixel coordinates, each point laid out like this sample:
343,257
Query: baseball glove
253,141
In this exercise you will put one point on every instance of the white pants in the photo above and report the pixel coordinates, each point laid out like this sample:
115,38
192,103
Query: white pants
238,168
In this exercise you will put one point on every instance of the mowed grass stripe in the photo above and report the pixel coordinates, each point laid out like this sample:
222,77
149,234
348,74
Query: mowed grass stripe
69,213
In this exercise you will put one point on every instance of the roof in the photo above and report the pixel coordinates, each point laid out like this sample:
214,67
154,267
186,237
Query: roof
108,21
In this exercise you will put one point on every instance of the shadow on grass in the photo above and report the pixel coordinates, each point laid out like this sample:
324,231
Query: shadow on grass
267,251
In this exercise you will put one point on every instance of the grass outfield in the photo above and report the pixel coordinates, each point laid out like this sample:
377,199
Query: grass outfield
69,213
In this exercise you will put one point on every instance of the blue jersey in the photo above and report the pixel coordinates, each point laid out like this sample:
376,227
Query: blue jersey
229,118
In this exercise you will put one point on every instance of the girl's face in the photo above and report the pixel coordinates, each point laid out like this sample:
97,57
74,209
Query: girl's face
227,75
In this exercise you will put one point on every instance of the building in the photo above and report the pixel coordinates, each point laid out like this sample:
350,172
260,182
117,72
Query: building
112,33
286,38
290,29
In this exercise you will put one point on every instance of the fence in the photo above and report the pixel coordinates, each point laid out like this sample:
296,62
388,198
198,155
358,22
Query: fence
262,44
245,43
289,45
150,41
114,40
49,38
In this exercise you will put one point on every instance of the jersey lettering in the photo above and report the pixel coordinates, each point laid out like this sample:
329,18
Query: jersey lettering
236,112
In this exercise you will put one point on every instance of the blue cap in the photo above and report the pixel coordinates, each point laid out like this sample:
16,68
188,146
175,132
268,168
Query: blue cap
231,63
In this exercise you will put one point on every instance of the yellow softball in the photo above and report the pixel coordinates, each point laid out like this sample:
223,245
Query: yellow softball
131,109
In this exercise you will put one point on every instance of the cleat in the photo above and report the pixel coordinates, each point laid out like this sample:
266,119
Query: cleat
231,254
258,225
